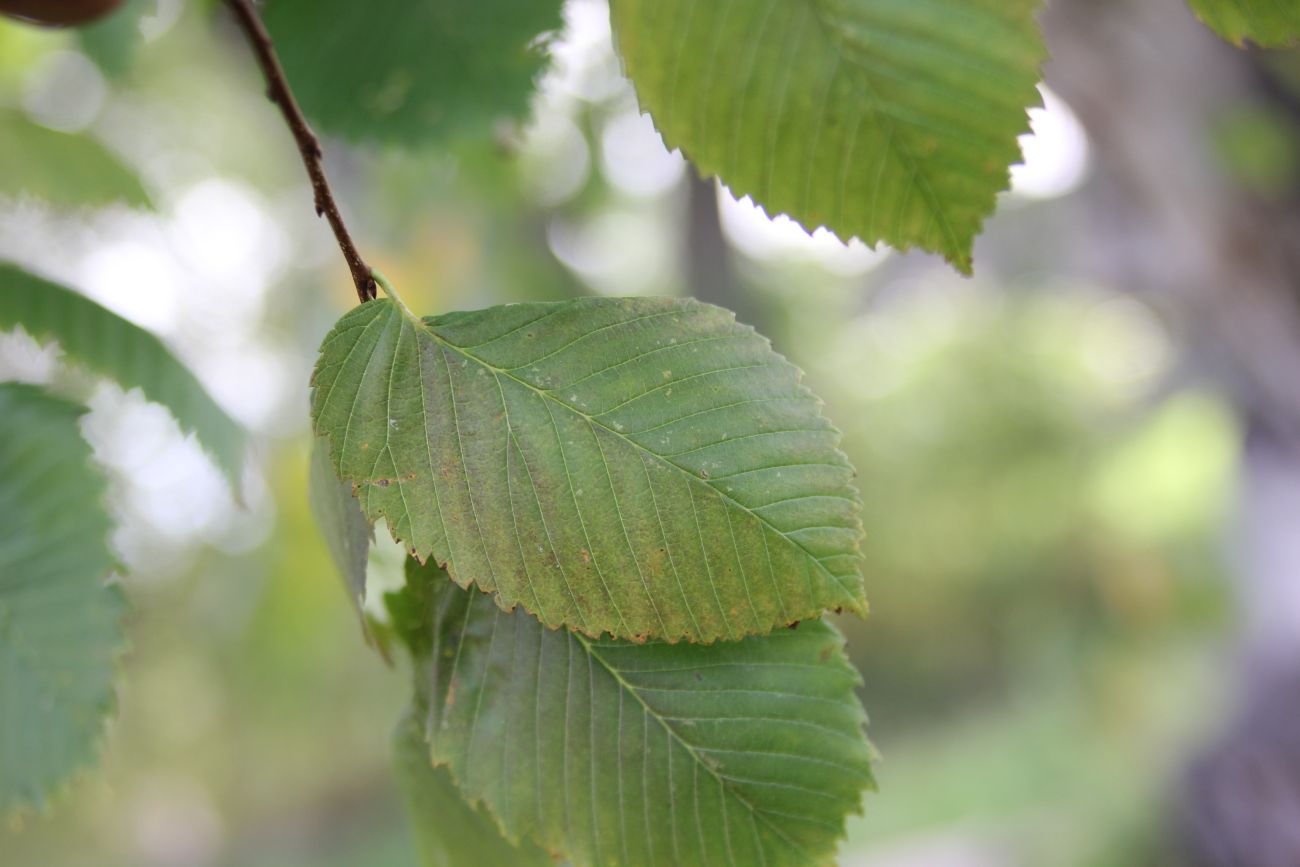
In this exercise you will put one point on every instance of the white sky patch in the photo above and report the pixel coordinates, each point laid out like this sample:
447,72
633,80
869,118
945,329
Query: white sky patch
66,91
768,239
135,278
635,159
617,253
1055,153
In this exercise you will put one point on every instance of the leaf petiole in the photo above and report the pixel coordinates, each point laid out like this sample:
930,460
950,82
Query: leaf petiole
384,284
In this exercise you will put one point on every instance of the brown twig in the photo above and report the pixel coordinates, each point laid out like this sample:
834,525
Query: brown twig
308,145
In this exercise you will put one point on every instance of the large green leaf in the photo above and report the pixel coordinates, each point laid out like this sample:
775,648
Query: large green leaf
410,72
65,169
59,622
1273,23
111,346
618,753
646,467
448,831
889,120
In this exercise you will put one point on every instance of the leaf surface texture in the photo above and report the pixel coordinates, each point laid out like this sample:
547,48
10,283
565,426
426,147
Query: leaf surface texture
643,467
617,753
59,623
448,831
888,120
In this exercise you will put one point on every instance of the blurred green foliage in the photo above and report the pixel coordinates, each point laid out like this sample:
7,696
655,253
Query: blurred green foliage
396,72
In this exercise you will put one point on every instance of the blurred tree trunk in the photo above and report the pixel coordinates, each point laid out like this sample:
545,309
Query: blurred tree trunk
1222,263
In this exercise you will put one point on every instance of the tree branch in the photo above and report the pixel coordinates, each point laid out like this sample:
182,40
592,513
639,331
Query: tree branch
308,145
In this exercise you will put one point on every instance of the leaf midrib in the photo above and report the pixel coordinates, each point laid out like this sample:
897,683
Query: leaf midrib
893,141
500,371
723,781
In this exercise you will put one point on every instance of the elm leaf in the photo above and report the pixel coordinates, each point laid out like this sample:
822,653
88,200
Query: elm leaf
888,120
60,624
448,831
613,752
645,467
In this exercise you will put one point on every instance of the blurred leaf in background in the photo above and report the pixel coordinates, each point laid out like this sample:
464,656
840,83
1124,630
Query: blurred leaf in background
68,169
60,622
433,71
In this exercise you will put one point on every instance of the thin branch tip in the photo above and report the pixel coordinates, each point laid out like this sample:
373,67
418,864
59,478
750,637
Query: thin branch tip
279,93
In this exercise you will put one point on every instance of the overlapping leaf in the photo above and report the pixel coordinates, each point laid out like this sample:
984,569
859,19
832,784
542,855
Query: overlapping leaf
1272,23
347,532
617,753
109,345
448,831
65,169
646,467
889,120
59,622
410,72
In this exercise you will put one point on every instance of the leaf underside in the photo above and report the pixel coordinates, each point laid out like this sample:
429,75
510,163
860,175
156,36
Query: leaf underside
408,73
888,120
448,831
643,467
111,346
64,169
59,622
617,753
347,532
1270,23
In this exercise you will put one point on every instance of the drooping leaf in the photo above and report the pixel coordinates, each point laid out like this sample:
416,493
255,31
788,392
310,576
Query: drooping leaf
338,514
1271,23
613,752
448,831
646,467
59,621
64,169
109,345
412,72
888,120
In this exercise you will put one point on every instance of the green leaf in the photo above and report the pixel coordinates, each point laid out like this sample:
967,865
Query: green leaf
889,120
448,831
64,169
59,622
646,467
613,752
338,514
1271,23
113,40
111,346
408,73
